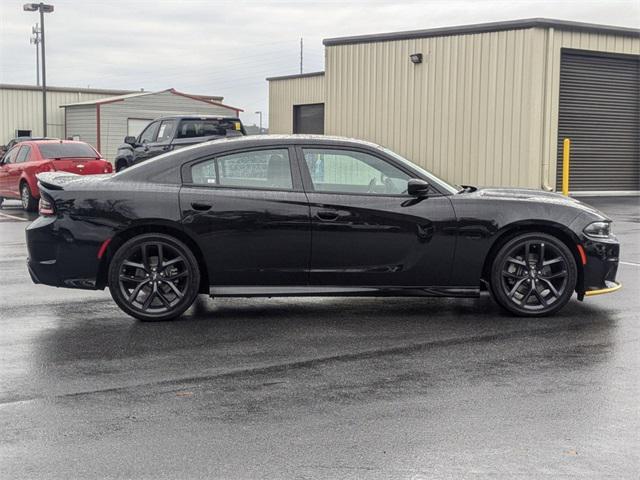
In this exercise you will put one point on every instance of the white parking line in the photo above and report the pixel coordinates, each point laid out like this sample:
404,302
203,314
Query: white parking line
14,217
633,264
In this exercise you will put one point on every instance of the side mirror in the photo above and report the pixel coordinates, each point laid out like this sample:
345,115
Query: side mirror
417,187
130,140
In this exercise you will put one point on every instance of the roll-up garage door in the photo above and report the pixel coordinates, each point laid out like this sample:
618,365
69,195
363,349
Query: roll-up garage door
600,113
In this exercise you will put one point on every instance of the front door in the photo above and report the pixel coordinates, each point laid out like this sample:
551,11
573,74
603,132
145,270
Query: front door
366,229
251,217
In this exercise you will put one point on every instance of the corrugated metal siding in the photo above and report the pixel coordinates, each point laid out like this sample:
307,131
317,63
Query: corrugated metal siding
22,109
555,41
480,109
600,113
285,93
113,116
465,113
81,121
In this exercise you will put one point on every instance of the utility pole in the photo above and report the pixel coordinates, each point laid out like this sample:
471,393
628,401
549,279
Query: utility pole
35,40
42,8
301,54
259,112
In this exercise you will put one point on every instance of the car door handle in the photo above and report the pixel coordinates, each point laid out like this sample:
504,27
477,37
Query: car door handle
203,207
327,215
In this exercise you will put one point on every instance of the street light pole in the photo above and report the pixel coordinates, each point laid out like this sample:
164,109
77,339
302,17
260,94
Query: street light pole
42,8
260,113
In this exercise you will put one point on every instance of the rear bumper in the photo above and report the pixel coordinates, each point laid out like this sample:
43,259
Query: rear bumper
59,259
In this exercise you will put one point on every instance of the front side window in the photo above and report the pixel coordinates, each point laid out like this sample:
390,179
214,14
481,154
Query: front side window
255,169
23,155
165,132
149,134
345,171
11,155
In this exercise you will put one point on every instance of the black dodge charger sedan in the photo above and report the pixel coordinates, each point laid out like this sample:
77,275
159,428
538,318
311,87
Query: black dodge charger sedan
311,215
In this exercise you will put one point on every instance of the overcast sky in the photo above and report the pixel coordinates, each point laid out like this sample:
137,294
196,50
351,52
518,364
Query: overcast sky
229,47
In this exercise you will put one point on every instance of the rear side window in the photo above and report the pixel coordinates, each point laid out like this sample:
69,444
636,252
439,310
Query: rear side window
23,155
66,150
268,169
209,127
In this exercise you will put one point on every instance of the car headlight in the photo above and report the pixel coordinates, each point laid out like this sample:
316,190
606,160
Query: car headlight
598,230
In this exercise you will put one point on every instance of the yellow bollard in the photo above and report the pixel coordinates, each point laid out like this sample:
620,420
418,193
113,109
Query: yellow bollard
566,148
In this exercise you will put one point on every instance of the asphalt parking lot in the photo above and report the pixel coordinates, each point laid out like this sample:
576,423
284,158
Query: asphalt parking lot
318,388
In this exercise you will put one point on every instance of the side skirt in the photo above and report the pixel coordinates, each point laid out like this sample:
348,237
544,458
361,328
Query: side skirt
329,291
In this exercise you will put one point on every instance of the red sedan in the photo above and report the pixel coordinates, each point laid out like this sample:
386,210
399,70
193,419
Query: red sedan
21,164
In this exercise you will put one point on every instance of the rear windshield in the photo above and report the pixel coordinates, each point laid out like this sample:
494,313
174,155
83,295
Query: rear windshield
209,127
67,150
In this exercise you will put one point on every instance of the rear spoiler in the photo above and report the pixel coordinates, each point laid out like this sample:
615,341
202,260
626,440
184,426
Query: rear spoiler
56,180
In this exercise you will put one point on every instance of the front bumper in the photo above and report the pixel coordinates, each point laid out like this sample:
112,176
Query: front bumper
601,267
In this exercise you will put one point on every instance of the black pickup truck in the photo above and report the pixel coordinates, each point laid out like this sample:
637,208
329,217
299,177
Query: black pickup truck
170,133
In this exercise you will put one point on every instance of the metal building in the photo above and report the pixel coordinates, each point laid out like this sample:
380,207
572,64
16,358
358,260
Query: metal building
106,121
486,104
21,108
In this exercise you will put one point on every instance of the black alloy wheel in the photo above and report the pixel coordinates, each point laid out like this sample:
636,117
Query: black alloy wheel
28,202
154,277
533,274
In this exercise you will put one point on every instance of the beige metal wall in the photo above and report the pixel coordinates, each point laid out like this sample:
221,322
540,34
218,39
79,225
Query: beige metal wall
285,93
481,108
22,109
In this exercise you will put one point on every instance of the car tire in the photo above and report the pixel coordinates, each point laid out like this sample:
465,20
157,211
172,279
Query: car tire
29,203
121,165
1,201
154,277
533,275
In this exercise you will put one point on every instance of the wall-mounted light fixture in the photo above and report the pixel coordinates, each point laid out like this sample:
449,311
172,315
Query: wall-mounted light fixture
416,57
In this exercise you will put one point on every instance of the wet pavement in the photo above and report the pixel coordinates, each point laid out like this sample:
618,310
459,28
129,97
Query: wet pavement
318,388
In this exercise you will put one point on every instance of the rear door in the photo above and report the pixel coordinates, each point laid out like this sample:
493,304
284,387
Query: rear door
250,215
366,229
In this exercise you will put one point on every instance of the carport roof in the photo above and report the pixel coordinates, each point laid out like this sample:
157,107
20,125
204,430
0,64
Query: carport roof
212,100
484,28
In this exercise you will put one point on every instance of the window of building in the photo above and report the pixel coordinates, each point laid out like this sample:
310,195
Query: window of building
308,118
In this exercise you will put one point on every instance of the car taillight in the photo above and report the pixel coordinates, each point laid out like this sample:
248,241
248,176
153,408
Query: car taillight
46,207
49,167
108,168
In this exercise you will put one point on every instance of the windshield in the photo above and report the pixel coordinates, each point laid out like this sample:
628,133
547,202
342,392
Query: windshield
67,150
449,188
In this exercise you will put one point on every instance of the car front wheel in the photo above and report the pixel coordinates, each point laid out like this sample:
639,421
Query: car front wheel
533,274
28,202
154,277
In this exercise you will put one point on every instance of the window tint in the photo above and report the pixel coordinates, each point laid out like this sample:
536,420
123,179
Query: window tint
165,133
149,134
209,127
204,173
23,155
66,150
11,155
255,169
346,171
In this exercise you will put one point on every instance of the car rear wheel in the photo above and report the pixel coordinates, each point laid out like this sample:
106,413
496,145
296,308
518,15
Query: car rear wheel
533,275
154,277
28,202
121,165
